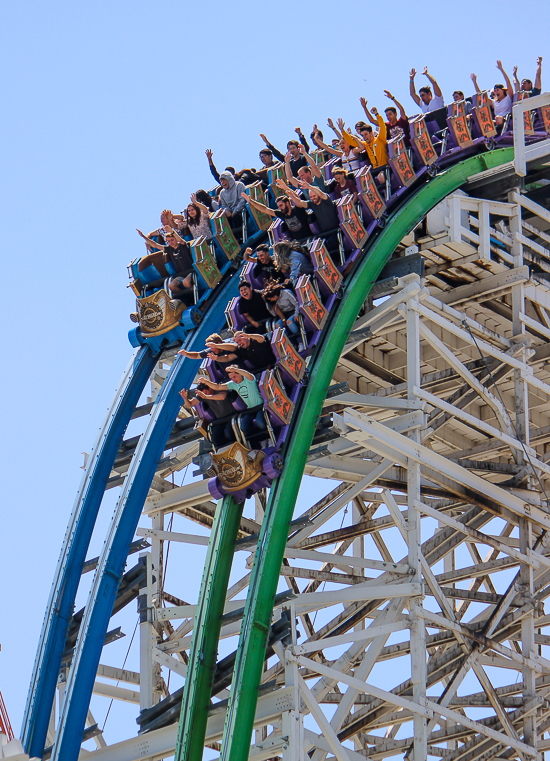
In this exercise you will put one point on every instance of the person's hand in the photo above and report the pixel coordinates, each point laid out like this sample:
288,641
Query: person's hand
515,71
208,152
539,60
302,184
168,229
142,234
264,138
330,123
363,102
280,184
201,394
473,77
298,131
183,392
211,355
425,71
184,353
247,251
193,198
499,65
412,73
244,195
287,157
388,94
315,129
256,324
228,213
341,123
302,149
374,111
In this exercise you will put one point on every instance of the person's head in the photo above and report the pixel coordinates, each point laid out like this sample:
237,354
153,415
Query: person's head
339,175
193,213
202,387
304,174
167,218
281,254
283,203
205,198
500,92
458,95
266,157
391,114
242,339
234,374
366,133
335,142
227,180
360,125
262,252
214,338
172,240
425,94
245,290
294,148
271,292
526,85
314,197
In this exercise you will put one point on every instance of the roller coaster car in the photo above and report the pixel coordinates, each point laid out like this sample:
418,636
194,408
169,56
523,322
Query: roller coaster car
400,161
328,277
277,172
372,202
224,235
528,121
482,121
243,472
311,306
350,222
457,120
256,192
156,317
421,140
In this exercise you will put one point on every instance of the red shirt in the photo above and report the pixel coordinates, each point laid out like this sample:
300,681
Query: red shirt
393,130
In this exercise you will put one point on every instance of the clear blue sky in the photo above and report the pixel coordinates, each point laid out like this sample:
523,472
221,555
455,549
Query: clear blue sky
108,108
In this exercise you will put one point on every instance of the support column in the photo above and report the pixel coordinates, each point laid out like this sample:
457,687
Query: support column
293,721
146,638
414,541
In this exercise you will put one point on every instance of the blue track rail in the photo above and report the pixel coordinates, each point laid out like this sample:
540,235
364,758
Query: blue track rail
121,532
73,552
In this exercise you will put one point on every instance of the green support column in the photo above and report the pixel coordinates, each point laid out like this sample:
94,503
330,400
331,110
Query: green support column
206,632
273,537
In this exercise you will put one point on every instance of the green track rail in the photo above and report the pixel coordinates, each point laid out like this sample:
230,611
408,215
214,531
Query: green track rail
284,491
206,632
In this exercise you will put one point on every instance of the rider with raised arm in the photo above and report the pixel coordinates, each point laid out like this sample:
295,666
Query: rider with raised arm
526,85
425,99
502,102
310,173
396,126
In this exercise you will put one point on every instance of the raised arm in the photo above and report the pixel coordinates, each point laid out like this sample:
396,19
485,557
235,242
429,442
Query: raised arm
213,171
278,155
473,77
204,209
350,139
258,205
538,75
302,138
291,194
328,148
402,113
288,171
307,186
215,386
506,79
190,354
149,242
437,88
368,114
412,88
333,128
315,171
517,85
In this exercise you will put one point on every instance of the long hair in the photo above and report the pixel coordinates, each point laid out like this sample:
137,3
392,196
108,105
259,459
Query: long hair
281,253
272,288
205,198
197,219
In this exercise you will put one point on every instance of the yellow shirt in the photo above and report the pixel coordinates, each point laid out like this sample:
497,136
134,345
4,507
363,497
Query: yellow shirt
377,151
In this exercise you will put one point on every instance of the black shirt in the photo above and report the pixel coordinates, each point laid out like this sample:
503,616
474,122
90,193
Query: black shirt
259,354
267,272
296,164
219,407
254,307
326,213
297,222
180,257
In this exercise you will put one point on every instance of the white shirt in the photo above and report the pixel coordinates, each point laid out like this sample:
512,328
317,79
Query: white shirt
435,103
503,107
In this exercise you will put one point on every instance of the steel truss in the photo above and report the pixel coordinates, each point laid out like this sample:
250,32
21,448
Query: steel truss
417,584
